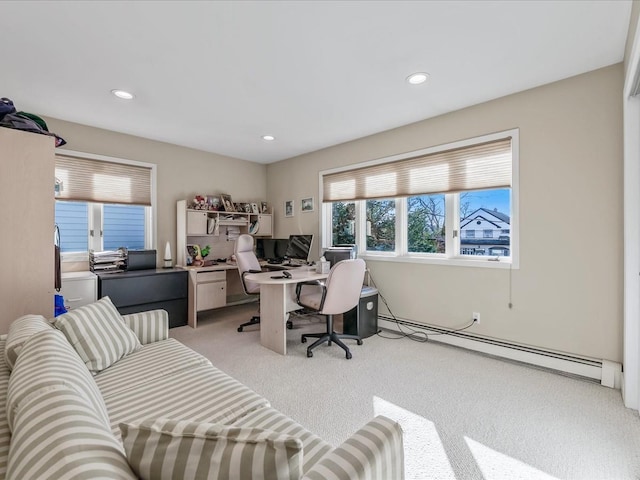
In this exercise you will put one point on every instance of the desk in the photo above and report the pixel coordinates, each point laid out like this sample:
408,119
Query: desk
209,288
277,298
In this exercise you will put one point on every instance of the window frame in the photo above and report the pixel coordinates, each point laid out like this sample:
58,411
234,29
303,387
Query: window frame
452,221
95,209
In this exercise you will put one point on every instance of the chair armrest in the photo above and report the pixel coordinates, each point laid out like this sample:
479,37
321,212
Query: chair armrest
150,326
375,452
316,283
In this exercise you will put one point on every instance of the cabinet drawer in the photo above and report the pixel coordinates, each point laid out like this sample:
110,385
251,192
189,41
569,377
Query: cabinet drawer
212,276
79,291
211,295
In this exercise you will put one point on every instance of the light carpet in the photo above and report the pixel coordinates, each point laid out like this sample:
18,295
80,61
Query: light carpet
465,415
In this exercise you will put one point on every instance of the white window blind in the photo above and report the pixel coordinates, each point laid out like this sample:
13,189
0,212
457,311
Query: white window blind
90,180
476,167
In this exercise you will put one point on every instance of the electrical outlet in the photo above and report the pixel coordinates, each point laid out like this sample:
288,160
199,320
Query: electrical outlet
476,317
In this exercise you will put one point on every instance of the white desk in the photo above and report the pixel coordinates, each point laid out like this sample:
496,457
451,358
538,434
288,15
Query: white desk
277,298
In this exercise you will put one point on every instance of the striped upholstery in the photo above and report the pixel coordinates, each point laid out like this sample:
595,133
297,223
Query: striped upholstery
5,434
20,331
169,449
58,435
200,394
98,334
150,326
374,452
150,363
48,360
268,418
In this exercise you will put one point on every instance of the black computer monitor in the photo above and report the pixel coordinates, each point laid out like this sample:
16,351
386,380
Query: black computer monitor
336,254
299,247
271,248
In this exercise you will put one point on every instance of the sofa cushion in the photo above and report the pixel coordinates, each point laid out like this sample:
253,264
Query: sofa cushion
169,449
20,331
268,418
201,394
149,326
48,360
147,364
5,434
98,334
58,434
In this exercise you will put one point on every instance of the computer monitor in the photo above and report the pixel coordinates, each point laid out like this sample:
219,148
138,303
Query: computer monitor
271,248
299,247
336,254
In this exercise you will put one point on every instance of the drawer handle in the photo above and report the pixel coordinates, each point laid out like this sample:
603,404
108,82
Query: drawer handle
74,299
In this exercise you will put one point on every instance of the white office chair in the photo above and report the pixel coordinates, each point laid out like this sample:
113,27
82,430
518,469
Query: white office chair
247,263
339,294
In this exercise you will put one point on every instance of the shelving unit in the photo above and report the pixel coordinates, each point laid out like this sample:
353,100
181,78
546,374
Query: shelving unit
217,229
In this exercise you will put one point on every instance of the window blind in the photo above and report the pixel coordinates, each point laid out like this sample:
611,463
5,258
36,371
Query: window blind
476,167
89,180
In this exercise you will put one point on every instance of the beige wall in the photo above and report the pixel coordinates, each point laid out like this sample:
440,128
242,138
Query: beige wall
181,172
567,293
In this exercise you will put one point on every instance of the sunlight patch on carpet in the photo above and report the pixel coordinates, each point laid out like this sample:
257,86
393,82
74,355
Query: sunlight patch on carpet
424,453
498,466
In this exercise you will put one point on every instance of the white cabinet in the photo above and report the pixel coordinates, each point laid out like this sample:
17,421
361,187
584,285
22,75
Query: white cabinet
78,289
196,222
211,290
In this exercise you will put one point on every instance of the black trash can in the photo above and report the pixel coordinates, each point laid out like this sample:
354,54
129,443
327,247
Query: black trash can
362,320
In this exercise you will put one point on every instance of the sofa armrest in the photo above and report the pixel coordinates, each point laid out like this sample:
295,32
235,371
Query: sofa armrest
150,326
375,452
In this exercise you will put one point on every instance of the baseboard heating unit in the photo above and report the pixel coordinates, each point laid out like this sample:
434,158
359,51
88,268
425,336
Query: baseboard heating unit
608,373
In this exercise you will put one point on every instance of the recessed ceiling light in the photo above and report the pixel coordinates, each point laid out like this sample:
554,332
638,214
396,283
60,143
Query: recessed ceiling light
268,138
418,78
122,94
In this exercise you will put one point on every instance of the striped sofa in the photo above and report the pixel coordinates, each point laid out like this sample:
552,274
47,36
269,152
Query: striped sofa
149,407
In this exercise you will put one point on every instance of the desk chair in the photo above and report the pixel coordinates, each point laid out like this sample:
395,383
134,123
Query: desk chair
339,294
247,262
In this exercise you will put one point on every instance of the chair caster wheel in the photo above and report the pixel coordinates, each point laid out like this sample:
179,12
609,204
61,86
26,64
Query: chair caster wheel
309,353
348,355
359,342
290,325
303,339
239,329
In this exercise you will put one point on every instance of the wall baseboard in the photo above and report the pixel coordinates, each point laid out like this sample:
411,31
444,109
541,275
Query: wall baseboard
608,373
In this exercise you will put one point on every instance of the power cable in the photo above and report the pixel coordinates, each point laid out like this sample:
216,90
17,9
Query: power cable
412,334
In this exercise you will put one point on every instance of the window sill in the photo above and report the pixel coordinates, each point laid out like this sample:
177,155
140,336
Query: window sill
442,260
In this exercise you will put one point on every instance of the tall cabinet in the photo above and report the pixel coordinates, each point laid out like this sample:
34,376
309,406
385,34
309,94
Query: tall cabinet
27,218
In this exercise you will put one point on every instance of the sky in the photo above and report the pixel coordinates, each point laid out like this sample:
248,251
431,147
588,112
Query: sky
489,199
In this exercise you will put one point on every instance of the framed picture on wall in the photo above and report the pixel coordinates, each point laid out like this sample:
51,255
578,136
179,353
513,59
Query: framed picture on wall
288,208
306,205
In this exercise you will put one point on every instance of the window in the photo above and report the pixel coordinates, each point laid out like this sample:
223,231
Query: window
381,225
104,204
453,203
343,219
425,224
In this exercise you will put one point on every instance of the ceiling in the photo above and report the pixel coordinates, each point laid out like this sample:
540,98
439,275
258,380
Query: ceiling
216,76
